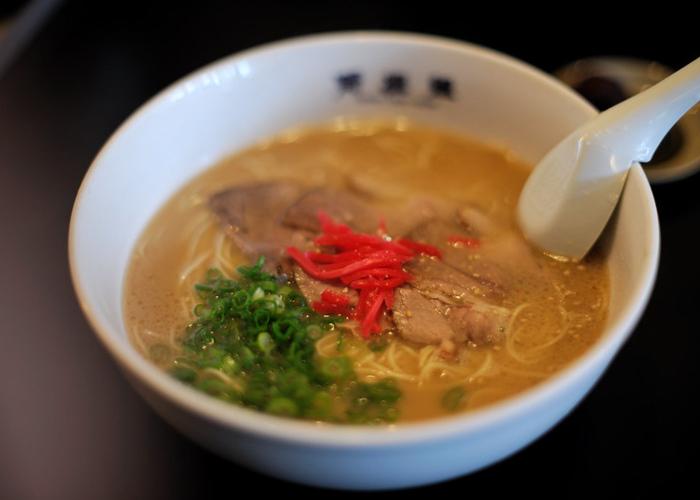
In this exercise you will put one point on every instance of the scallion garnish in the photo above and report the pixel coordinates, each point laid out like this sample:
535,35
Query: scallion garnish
253,343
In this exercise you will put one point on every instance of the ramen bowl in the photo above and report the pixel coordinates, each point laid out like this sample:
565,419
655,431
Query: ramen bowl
242,99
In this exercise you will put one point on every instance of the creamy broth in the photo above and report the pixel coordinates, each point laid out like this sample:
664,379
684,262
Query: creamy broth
557,308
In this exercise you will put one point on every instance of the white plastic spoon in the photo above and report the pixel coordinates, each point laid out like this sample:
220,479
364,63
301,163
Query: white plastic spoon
571,193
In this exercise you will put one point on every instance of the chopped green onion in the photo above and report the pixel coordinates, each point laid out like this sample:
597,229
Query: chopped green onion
378,343
282,406
229,366
453,398
258,333
259,294
314,332
184,374
265,342
337,369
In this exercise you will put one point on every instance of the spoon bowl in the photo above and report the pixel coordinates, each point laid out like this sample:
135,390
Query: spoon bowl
571,193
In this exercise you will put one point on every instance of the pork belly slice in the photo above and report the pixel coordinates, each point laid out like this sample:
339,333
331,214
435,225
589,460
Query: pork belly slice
504,251
474,262
251,214
341,206
362,213
479,323
423,320
459,307
418,320
437,279
311,288
500,257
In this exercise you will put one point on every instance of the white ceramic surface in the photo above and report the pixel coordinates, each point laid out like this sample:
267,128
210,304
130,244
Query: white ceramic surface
241,99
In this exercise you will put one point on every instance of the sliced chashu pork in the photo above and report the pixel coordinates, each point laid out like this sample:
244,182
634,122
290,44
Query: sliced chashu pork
265,218
251,214
311,288
422,318
431,321
341,206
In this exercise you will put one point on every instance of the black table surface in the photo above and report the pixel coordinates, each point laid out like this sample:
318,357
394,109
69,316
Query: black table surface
70,425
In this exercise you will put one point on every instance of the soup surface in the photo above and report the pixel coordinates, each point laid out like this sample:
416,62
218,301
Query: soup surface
487,318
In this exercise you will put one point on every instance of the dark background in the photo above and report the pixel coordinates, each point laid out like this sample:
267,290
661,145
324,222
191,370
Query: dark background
71,427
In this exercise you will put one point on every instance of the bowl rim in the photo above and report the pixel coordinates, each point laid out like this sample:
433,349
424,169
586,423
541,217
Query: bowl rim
327,435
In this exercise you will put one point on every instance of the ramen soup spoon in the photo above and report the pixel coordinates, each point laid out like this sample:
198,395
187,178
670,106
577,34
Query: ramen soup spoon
571,193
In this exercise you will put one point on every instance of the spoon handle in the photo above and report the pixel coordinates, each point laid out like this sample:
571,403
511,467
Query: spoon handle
639,124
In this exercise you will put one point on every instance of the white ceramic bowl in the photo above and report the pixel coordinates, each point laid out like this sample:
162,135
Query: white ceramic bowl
252,95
